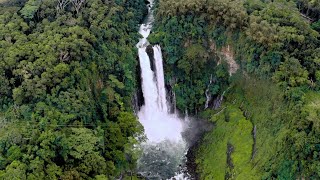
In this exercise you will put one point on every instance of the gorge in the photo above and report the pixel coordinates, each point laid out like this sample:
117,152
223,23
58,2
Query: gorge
203,89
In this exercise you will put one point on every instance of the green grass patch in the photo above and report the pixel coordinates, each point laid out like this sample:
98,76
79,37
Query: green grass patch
231,127
264,105
250,103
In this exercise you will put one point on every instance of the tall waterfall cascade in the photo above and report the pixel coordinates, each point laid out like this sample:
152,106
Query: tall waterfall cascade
165,148
154,115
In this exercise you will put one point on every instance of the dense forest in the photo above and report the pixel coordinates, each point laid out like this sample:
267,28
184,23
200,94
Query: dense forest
267,126
69,74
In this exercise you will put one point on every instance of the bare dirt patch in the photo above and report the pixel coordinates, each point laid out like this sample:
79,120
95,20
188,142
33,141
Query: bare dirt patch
225,53
229,57
3,1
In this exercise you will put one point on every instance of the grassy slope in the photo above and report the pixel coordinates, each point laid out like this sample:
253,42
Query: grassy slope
261,103
237,131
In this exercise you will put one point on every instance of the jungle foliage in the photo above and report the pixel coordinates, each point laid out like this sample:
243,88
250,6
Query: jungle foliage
276,43
67,77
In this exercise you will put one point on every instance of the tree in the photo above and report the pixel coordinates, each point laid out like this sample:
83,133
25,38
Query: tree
61,5
77,4
16,170
30,9
291,73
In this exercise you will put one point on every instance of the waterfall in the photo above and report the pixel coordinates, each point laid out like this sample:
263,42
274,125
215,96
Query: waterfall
162,101
165,148
164,151
174,101
154,115
159,125
208,95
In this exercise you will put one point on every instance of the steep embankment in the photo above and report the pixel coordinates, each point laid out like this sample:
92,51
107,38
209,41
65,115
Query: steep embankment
262,130
249,130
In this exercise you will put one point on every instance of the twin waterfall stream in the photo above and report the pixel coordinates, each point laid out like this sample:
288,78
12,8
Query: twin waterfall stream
154,115
164,152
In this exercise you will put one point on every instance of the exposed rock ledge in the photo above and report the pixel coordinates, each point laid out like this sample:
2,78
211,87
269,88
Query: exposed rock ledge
228,55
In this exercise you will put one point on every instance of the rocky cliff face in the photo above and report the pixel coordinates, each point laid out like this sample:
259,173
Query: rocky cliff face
225,53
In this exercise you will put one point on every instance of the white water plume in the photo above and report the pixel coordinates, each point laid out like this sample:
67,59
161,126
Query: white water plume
154,115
